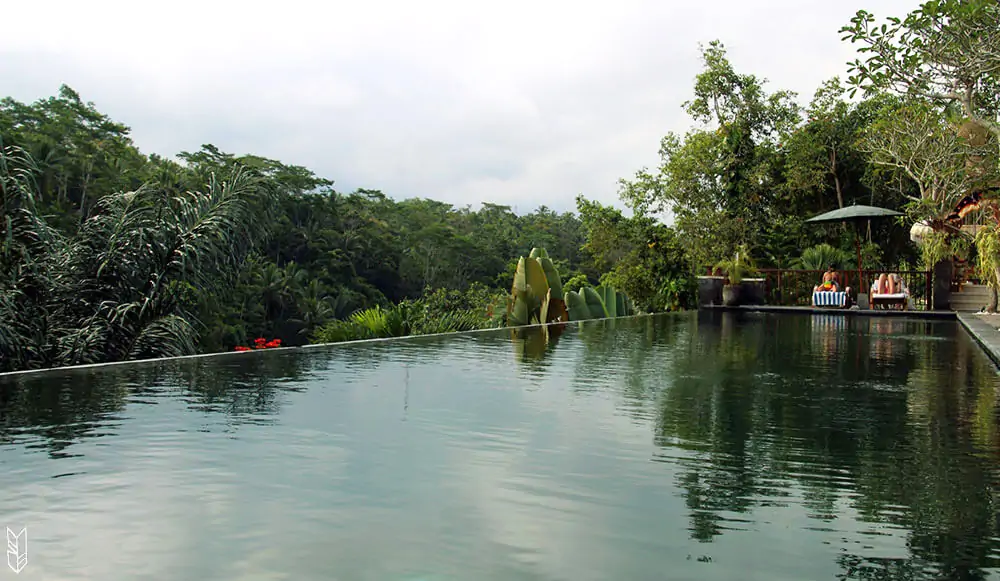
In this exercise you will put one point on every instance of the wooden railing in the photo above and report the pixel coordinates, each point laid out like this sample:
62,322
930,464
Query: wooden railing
795,287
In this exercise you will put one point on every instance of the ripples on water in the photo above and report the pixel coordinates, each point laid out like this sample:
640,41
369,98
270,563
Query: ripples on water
672,447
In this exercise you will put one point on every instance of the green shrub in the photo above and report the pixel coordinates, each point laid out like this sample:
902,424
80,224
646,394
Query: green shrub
575,283
438,311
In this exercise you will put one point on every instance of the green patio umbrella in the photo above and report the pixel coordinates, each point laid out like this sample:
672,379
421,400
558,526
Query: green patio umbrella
857,215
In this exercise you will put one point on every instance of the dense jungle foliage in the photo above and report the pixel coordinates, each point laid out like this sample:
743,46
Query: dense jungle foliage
107,253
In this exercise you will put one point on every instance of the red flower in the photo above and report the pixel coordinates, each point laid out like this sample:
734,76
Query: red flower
261,343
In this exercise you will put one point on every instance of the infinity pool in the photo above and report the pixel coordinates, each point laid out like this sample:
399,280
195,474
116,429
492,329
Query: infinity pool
689,446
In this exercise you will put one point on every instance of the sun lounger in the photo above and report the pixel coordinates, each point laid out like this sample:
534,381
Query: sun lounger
890,300
830,299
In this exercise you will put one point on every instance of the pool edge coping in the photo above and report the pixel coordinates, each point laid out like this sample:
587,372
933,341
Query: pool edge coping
981,333
84,366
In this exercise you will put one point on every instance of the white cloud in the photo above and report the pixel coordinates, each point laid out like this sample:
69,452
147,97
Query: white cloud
520,103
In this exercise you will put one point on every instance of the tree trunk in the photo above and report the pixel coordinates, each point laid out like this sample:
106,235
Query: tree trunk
836,178
992,307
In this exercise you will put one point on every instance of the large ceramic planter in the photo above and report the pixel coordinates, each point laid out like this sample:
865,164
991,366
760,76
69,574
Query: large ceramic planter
752,291
732,295
709,290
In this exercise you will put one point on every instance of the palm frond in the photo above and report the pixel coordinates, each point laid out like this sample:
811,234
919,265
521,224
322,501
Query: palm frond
822,256
167,336
113,291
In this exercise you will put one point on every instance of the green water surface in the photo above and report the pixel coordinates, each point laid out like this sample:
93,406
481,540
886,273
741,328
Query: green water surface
692,446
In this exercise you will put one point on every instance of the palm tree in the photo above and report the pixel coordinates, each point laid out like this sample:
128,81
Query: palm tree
821,256
123,286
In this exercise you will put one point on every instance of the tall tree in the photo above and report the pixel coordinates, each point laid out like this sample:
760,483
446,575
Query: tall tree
638,255
722,183
921,143
946,51
943,56
825,168
79,153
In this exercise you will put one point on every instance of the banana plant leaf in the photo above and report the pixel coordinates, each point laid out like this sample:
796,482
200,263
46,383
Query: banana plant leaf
578,308
610,301
543,313
534,276
594,303
552,276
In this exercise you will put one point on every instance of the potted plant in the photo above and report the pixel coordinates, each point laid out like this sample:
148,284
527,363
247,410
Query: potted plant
737,268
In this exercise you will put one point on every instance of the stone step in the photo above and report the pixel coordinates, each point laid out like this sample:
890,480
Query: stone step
973,289
972,298
975,305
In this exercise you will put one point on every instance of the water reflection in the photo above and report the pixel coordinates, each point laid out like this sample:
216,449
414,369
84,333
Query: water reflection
829,334
56,410
865,448
898,425
533,345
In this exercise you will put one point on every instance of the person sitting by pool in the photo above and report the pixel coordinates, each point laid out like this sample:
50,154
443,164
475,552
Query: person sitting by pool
829,283
887,284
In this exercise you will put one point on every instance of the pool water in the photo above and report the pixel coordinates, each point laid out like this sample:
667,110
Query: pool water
681,446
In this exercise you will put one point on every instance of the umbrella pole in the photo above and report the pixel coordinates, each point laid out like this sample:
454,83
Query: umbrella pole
860,283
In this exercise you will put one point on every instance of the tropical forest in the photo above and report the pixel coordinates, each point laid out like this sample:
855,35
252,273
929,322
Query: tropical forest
108,253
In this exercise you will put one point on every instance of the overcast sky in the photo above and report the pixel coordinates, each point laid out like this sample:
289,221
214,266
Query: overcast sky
523,103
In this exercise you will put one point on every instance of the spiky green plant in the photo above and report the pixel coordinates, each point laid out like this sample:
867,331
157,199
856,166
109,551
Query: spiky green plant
407,318
738,267
337,331
372,322
451,323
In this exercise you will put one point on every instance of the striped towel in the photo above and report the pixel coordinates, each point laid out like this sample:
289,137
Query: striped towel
829,299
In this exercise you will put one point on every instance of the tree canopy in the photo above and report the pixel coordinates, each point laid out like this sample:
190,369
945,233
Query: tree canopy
108,253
